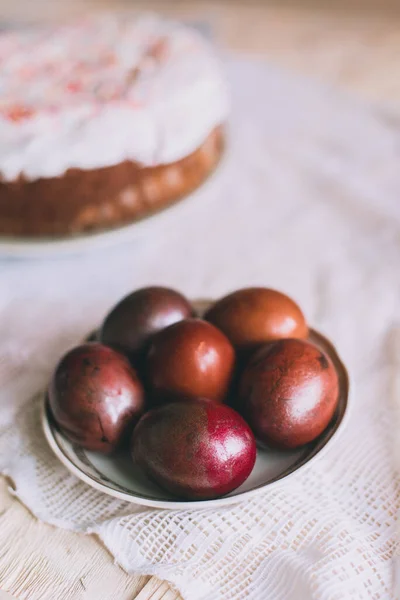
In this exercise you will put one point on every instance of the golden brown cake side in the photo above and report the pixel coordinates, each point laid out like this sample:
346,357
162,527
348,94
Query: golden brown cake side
88,200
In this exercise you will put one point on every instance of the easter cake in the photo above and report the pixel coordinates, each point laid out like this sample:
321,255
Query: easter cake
104,121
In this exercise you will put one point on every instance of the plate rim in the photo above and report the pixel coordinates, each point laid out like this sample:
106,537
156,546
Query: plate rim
133,498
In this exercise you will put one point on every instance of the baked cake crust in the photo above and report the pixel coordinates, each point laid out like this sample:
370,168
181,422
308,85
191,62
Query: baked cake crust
89,200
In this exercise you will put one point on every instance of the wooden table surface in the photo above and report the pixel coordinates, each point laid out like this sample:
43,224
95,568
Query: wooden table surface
352,44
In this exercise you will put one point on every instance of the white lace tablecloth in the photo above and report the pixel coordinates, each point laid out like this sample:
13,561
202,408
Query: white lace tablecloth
308,201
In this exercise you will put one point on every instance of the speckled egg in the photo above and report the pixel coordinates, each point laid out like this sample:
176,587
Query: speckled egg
288,393
196,450
95,397
251,317
131,324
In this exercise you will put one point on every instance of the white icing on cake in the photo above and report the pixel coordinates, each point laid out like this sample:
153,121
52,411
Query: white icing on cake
105,90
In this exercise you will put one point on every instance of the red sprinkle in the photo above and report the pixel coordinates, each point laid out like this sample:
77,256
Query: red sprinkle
159,49
74,87
17,112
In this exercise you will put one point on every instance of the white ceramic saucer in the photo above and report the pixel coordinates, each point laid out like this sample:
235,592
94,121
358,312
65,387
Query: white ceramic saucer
118,476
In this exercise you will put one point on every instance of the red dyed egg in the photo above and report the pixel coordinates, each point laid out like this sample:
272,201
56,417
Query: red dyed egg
288,393
95,397
196,450
253,316
191,359
131,324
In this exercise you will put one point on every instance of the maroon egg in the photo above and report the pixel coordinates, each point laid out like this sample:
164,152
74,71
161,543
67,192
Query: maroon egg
131,324
288,393
191,359
251,317
196,450
96,397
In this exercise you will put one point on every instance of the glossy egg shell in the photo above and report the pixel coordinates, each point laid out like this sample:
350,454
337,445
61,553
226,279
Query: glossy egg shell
288,393
251,317
196,449
190,359
95,397
133,321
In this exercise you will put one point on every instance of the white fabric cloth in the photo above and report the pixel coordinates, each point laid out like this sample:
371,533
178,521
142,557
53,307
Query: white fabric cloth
306,202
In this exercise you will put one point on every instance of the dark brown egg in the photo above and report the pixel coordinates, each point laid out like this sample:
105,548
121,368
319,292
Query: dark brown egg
196,449
190,359
253,316
288,393
131,324
96,397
